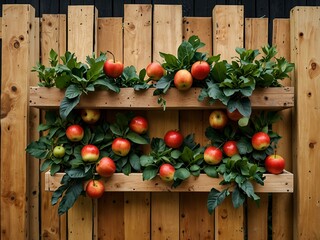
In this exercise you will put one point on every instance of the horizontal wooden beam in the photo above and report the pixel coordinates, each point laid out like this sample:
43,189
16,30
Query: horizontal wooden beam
48,98
134,183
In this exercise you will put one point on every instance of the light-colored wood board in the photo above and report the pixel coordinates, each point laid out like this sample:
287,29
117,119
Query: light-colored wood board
281,183
81,25
267,98
195,221
1,28
256,36
82,22
110,37
164,208
137,29
305,53
227,30
17,41
137,216
283,203
53,36
111,216
34,119
201,27
167,30
256,33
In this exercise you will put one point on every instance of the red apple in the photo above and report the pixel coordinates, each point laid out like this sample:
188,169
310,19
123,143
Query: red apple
183,80
260,141
90,153
166,172
95,188
138,125
173,139
59,151
90,116
235,115
230,148
113,68
274,164
105,167
218,119
212,155
155,71
75,133
200,70
121,146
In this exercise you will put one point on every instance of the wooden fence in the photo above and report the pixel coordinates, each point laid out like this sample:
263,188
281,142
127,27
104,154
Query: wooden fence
137,39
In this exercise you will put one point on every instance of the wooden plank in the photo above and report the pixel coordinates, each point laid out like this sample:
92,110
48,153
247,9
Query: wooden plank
166,19
305,53
134,183
53,36
17,41
111,205
137,52
137,35
256,36
34,119
256,33
110,37
268,98
282,204
227,30
1,28
82,22
201,27
228,35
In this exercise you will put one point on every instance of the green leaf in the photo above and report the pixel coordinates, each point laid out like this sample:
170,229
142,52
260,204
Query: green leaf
238,197
134,161
107,84
76,173
58,194
150,172
146,160
215,198
219,72
187,155
136,138
194,168
185,53
175,154
38,149
54,168
67,105
95,70
181,173
45,165
70,197
73,91
126,169
115,129
211,171
247,187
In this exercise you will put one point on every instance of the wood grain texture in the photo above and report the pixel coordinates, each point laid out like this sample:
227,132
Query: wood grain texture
227,30
110,37
82,22
17,42
167,30
256,36
305,53
137,35
283,203
201,27
53,32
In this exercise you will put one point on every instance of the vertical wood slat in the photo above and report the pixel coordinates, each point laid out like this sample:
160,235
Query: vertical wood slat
201,27
111,205
256,36
137,52
227,30
305,53
165,206
53,36
82,22
137,32
33,164
110,37
167,30
282,202
227,35
17,42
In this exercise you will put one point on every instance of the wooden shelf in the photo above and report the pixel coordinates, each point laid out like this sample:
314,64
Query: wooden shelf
282,183
49,98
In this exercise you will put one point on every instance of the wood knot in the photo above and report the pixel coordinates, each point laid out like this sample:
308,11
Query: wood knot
224,214
16,44
313,66
312,144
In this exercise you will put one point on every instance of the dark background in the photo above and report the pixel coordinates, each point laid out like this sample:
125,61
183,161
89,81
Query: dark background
198,8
